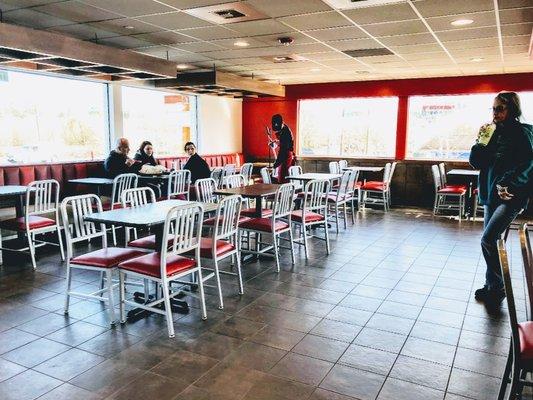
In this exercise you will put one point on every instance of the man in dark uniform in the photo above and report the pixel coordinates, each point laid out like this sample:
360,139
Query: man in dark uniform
285,158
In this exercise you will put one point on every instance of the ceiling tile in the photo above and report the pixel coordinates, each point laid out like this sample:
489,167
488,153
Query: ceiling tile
185,4
402,40
119,26
184,57
82,31
256,28
123,42
487,18
15,4
437,8
503,4
516,16
130,8
512,40
210,33
326,56
307,48
386,13
418,48
464,34
198,47
517,49
316,21
282,8
76,11
472,43
175,21
33,19
435,55
356,44
347,32
396,28
272,40
229,43
517,29
469,54
163,37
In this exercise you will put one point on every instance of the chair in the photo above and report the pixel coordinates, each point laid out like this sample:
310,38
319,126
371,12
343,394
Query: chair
314,211
296,170
104,260
379,188
475,199
169,265
527,257
265,175
134,198
224,241
342,196
275,226
444,179
354,192
343,164
228,169
334,167
216,174
120,183
233,181
45,196
443,194
520,359
246,171
205,190
179,185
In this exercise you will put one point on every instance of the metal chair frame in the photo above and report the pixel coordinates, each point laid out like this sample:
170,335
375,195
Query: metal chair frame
134,198
120,183
45,195
205,190
441,198
246,171
384,196
179,183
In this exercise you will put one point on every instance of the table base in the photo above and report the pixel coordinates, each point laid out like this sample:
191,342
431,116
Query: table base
179,306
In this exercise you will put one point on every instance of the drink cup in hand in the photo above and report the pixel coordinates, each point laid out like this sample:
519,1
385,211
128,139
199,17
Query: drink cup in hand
485,133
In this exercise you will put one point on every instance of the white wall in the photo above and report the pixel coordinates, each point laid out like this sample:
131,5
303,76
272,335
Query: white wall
219,125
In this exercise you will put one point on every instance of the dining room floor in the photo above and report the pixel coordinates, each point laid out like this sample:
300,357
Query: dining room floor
388,315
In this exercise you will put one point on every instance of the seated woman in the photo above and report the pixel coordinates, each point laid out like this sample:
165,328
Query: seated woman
196,164
145,154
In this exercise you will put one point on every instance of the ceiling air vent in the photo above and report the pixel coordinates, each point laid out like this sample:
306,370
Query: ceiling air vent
285,58
368,52
229,14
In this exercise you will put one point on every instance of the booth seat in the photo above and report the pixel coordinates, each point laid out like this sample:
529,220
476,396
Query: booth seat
63,172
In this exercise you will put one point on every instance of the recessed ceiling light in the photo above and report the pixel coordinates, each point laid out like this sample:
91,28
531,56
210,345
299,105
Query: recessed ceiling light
462,22
182,66
241,43
128,27
482,71
477,59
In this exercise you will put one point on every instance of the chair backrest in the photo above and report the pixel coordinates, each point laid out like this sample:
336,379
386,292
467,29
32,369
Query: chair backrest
527,260
80,229
205,190
184,223
283,202
344,187
386,173
315,199
436,177
121,183
353,181
233,181
246,171
227,218
391,173
506,276
45,195
442,172
228,169
216,174
295,170
137,197
265,175
343,164
179,183
334,167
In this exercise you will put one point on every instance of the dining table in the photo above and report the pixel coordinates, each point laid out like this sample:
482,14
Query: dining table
152,216
470,176
259,191
17,193
93,181
310,176
363,169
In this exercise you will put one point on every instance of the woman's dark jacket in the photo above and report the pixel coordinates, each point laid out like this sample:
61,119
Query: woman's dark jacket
145,158
198,167
507,160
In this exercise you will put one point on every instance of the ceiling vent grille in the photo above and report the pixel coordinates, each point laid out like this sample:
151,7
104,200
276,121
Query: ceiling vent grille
368,52
227,13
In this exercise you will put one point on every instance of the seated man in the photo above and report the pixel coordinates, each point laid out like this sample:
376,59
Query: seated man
196,164
118,161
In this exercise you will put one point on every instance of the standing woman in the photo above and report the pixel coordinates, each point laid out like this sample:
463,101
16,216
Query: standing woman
505,161
285,157
145,154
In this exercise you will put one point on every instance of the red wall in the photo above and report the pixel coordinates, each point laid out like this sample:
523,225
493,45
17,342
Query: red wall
257,112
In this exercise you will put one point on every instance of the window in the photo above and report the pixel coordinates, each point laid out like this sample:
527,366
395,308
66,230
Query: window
354,127
51,119
167,120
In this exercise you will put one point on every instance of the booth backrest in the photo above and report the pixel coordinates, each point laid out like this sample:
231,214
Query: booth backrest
63,172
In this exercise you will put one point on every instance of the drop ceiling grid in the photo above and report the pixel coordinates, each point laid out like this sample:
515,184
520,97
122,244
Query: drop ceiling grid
504,26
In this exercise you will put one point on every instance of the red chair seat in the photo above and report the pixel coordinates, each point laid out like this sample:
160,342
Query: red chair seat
211,221
34,222
107,206
106,258
150,264
222,247
250,212
264,224
148,242
456,187
373,185
452,190
525,331
309,216
173,197
332,197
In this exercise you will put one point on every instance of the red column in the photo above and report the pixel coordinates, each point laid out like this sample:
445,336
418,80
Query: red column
401,128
